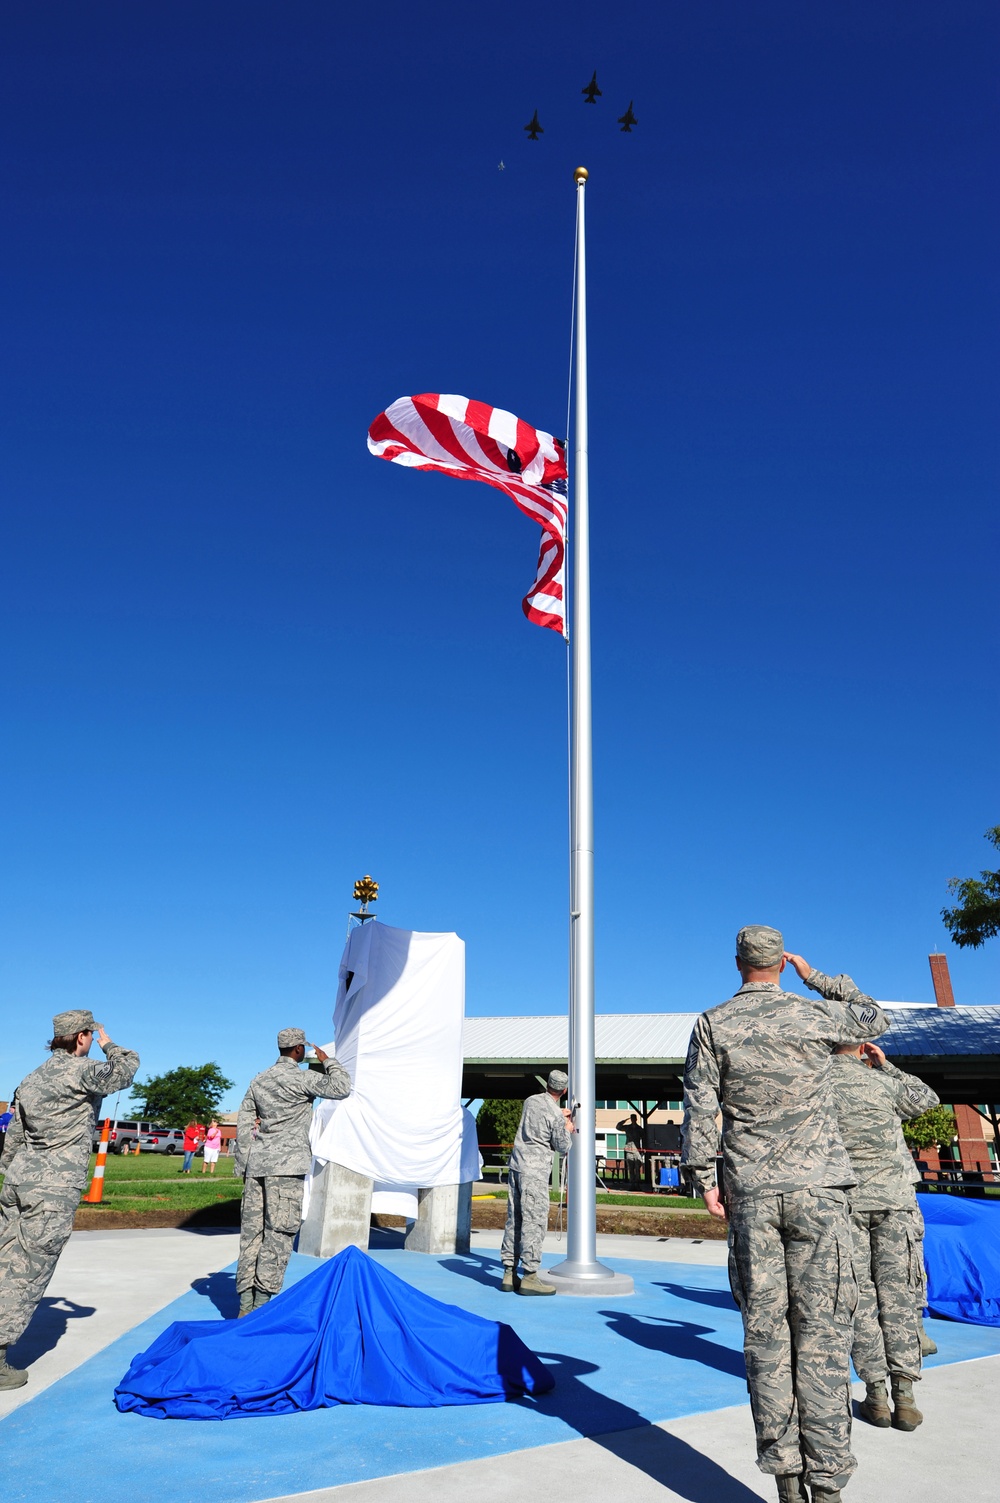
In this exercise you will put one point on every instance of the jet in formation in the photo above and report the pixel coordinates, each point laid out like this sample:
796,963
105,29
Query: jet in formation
533,128
627,120
592,91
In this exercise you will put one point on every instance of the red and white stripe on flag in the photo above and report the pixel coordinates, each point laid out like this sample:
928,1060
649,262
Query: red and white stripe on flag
473,441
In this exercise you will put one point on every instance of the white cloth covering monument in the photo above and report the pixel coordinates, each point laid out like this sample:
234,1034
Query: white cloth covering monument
401,1143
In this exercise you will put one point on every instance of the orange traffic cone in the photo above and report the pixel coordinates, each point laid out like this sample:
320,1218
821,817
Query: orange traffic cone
95,1194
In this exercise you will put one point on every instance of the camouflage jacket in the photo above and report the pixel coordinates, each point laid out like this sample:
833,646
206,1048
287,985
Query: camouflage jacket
541,1132
55,1110
764,1059
279,1101
870,1103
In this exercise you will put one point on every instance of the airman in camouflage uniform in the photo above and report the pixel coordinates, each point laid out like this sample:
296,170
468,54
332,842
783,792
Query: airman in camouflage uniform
544,1129
765,1059
46,1160
273,1156
871,1098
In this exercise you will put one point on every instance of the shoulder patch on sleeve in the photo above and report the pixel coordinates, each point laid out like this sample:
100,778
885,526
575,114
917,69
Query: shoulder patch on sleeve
864,1012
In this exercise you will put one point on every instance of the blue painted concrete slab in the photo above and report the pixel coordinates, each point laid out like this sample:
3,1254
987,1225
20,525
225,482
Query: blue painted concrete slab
672,1349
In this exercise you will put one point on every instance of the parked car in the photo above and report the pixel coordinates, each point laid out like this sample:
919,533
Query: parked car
162,1140
151,1139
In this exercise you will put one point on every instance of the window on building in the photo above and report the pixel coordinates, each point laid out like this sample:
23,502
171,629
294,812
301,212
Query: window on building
615,1142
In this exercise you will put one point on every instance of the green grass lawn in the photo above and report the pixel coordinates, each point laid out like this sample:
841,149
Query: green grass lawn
153,1181
159,1166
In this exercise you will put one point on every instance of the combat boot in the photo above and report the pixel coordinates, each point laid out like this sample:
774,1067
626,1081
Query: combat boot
928,1346
827,1495
905,1414
874,1407
260,1297
792,1488
10,1377
532,1284
508,1286
246,1303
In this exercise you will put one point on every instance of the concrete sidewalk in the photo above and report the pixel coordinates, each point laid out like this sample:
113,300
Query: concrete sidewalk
708,1458
649,1416
104,1284
708,1251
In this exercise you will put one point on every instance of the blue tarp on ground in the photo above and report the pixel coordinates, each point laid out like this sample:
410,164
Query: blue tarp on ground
350,1333
962,1253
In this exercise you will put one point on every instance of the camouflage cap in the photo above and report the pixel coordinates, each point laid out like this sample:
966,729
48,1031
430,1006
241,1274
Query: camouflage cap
78,1020
759,946
558,1081
289,1037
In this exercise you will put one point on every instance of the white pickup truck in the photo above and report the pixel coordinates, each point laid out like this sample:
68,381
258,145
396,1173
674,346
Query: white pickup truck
151,1139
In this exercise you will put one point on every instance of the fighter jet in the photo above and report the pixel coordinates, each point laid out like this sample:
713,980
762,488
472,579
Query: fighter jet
533,128
592,91
627,120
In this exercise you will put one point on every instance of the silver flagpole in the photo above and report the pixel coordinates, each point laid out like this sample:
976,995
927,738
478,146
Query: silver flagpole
580,1272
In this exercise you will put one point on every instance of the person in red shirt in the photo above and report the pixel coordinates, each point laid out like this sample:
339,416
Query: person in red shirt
194,1136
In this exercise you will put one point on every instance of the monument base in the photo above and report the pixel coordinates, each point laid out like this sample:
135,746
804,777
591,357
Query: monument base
340,1212
444,1221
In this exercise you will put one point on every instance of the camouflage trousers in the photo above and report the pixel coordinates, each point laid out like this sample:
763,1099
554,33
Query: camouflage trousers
35,1223
527,1220
270,1217
889,1268
791,1275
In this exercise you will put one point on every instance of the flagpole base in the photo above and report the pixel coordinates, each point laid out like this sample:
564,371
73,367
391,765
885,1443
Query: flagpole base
592,1280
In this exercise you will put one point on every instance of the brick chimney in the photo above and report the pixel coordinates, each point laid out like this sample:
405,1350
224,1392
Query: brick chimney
943,994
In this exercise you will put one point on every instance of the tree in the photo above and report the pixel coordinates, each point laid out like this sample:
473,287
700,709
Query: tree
931,1129
191,1093
977,915
498,1120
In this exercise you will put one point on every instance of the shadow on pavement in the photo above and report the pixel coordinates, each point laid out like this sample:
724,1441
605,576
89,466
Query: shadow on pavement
220,1288
46,1329
382,1238
678,1338
631,1437
476,1266
719,1299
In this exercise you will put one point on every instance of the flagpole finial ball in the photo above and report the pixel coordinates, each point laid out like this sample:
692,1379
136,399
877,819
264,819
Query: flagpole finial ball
580,175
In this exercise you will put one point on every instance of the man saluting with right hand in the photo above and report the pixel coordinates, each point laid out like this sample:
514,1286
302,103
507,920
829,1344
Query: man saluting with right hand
273,1158
764,1059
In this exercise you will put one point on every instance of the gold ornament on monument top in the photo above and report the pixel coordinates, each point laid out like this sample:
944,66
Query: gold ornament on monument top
365,892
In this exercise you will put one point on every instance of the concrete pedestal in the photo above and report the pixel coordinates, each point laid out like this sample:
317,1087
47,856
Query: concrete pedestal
340,1211
444,1220
611,1286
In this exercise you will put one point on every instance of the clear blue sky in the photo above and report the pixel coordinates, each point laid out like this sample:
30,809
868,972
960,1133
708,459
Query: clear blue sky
244,662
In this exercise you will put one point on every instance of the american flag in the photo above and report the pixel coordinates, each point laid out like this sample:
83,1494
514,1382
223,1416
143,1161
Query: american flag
473,441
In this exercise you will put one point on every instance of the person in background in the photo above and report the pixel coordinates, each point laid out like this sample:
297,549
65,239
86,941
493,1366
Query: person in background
194,1136
765,1059
46,1161
213,1143
633,1150
871,1099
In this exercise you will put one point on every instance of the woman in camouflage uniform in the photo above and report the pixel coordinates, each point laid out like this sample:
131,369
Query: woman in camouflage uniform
46,1161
